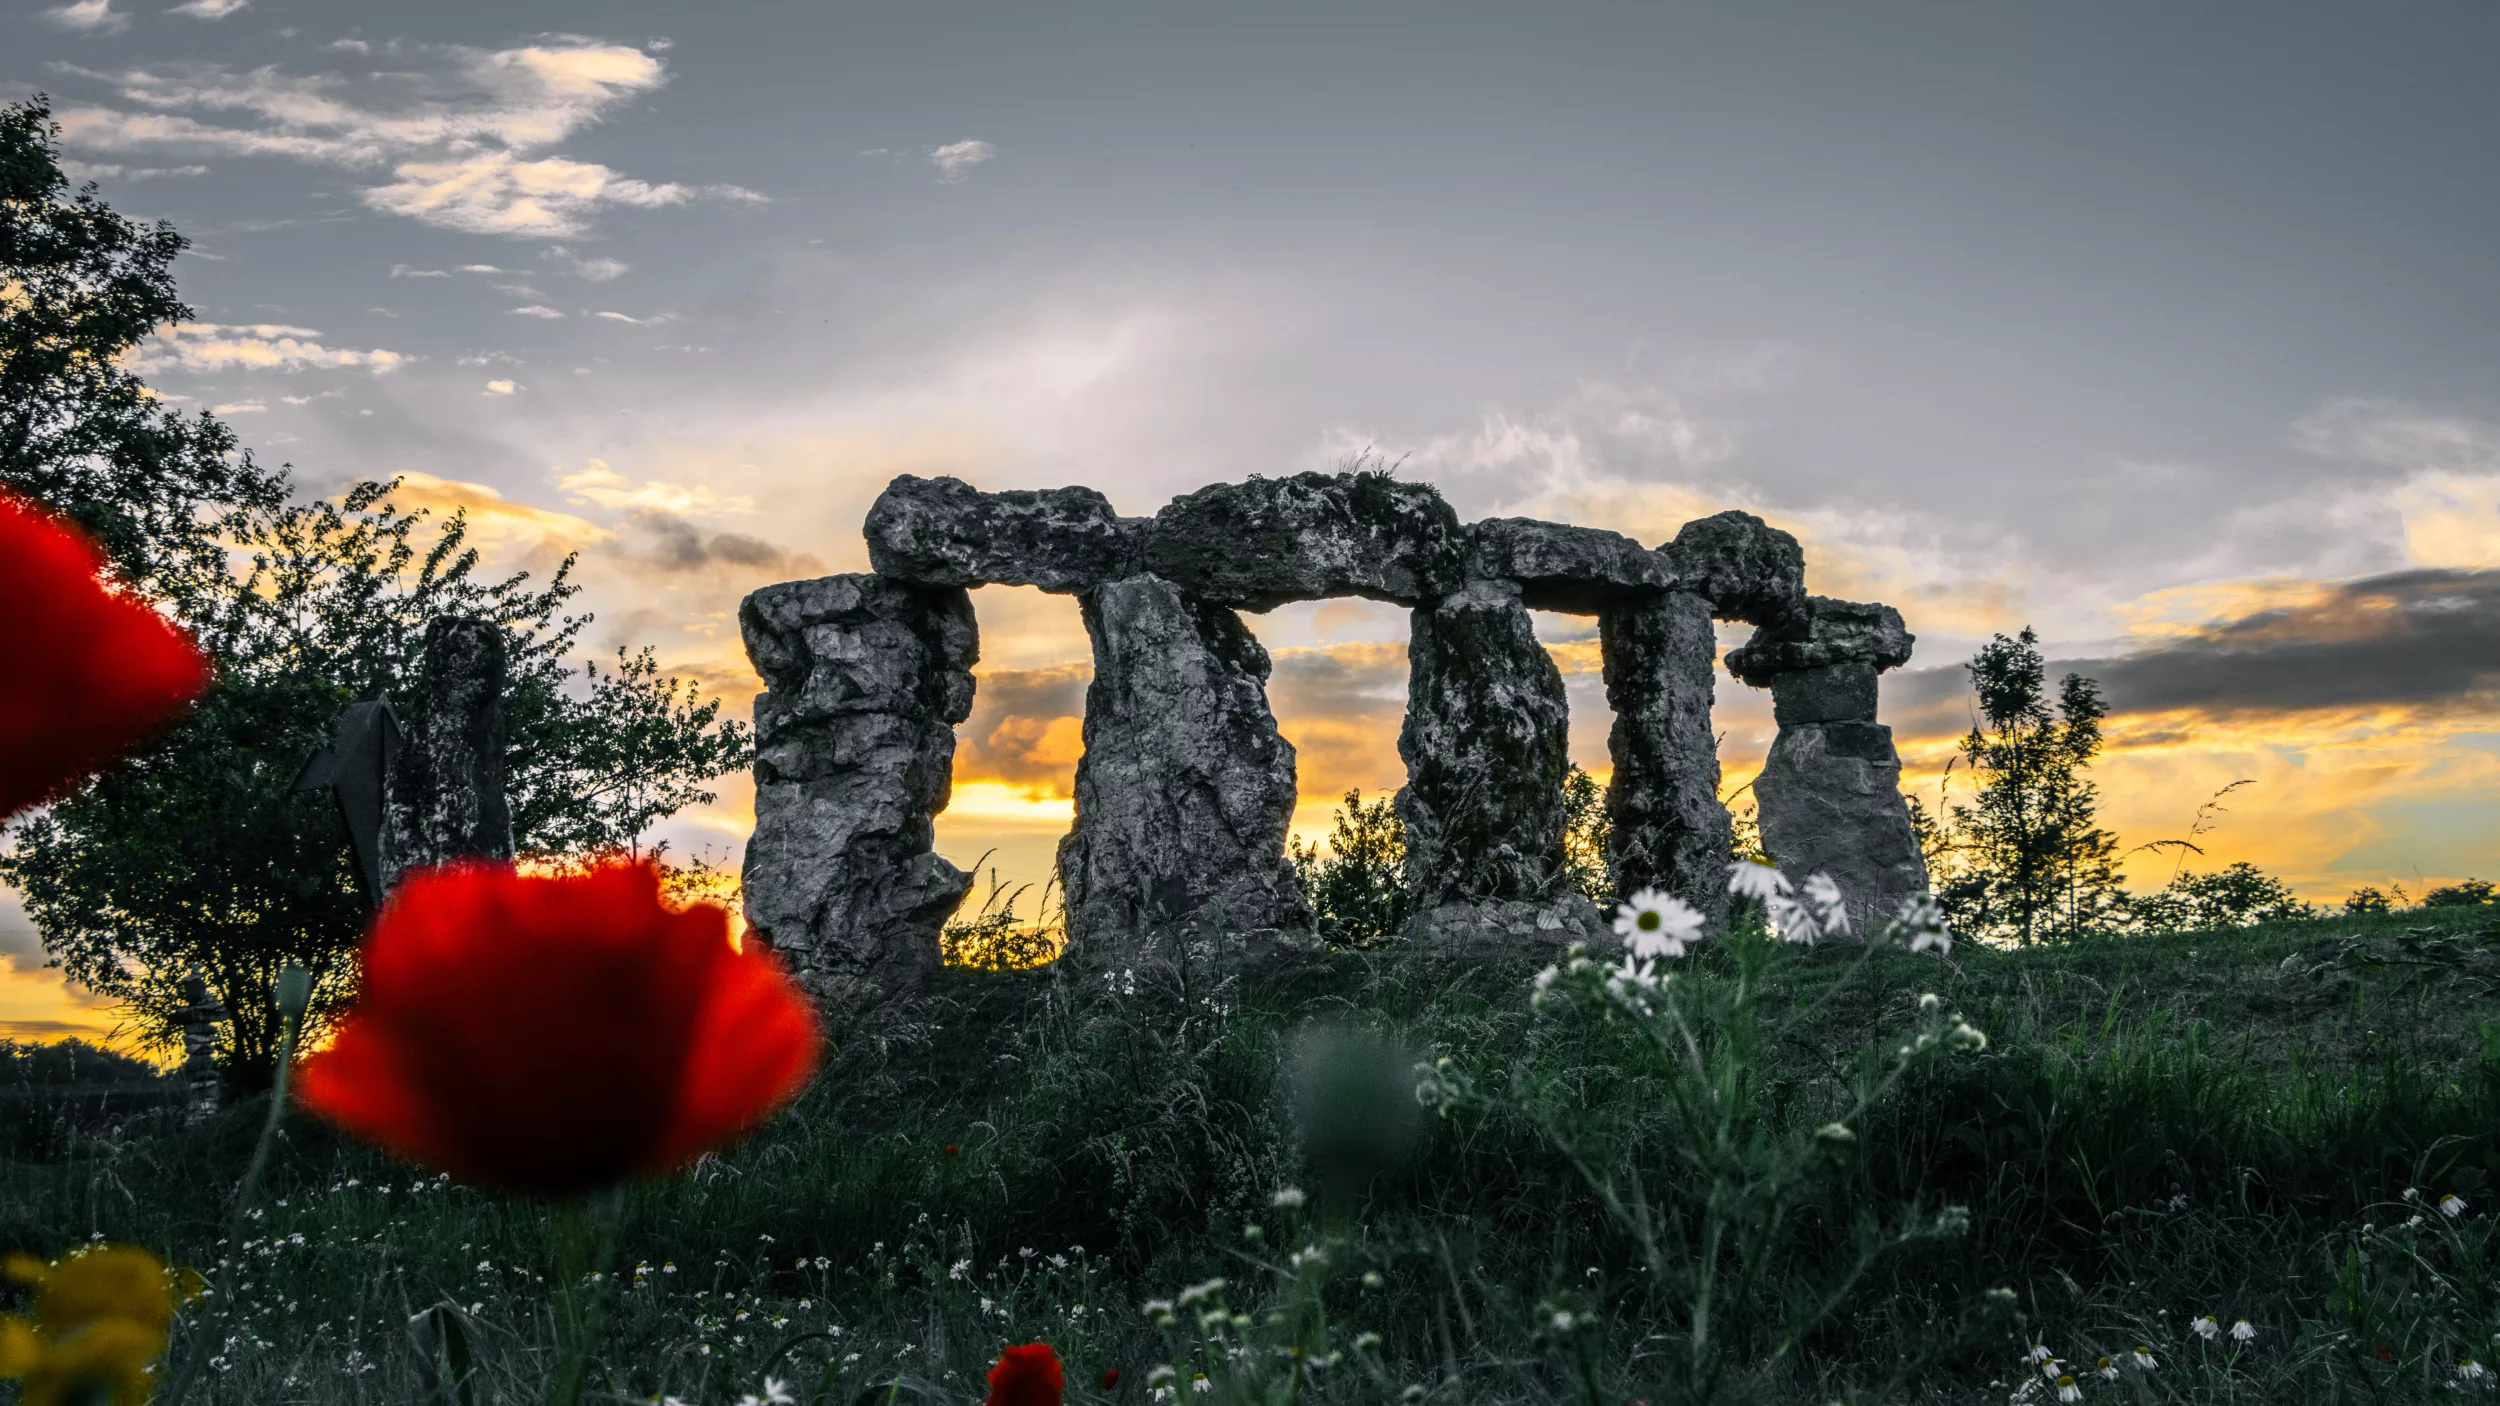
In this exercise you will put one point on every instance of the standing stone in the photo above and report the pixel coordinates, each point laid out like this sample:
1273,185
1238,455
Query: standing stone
446,790
1486,745
1830,797
1260,544
1186,788
199,1015
865,680
945,532
1670,830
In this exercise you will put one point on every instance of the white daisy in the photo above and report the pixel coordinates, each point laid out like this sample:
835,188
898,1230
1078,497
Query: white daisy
2242,1332
2206,1327
1831,914
1751,880
1655,924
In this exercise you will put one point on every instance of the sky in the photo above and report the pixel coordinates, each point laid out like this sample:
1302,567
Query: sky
2170,331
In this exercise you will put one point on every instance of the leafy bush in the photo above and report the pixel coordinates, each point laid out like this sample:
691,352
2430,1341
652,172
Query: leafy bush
2237,896
2473,893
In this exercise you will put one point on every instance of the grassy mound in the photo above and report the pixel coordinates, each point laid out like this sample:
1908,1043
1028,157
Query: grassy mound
2160,1128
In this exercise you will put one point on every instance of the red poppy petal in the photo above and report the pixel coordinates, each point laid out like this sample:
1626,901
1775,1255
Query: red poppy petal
89,672
553,1034
753,1050
1027,1376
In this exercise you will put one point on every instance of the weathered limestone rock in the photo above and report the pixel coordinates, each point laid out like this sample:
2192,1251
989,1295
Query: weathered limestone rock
945,532
1670,830
1829,797
1747,569
1185,789
1486,744
1577,570
1260,544
1509,929
855,745
445,794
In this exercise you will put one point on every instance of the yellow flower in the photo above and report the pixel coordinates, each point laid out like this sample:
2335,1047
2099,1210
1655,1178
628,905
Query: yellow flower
100,1319
104,1362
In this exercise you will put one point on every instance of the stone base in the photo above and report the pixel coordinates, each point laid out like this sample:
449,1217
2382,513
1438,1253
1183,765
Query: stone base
1515,929
1831,803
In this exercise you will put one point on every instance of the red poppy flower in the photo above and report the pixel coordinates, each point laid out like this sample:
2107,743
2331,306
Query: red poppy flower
1108,1378
554,1034
85,672
954,1150
1027,1376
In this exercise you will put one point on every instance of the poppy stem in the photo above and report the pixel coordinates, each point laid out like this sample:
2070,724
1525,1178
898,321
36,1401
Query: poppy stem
583,1233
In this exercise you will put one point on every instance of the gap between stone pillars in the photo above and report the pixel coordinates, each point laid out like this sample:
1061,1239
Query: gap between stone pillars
1185,790
1670,830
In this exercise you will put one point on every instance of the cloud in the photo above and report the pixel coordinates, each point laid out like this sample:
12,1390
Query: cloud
515,534
671,543
499,193
239,407
500,387
83,171
534,310
404,271
1026,730
2446,507
599,484
209,9
955,160
91,16
456,128
213,346
596,270
654,320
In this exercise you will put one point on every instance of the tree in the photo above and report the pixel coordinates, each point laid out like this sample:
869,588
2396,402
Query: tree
2030,861
80,288
1585,830
1358,887
194,853
2239,895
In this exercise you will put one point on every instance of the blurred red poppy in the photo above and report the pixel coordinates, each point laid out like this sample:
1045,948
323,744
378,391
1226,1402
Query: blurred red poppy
1107,1378
555,1034
85,672
1027,1376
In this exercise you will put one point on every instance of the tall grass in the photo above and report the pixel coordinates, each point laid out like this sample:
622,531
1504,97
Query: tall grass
2161,1128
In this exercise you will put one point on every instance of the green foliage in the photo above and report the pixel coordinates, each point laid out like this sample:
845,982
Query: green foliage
1586,829
193,853
2473,893
80,288
2025,860
2237,896
2368,901
1357,886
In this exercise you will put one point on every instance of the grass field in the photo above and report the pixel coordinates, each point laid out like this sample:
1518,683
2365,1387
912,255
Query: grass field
2256,1125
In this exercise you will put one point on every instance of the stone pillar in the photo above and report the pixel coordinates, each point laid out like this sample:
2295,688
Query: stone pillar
445,795
1829,797
1486,746
1185,789
1670,830
865,680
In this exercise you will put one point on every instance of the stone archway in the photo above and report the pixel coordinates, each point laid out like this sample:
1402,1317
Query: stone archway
1186,789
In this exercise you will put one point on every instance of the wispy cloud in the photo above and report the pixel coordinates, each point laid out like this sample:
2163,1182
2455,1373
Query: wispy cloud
654,320
595,270
263,346
535,310
955,160
113,171
209,9
240,407
501,387
458,128
599,484
91,16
